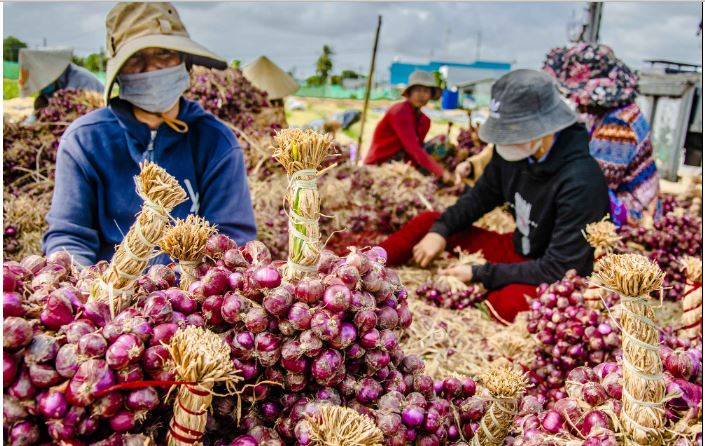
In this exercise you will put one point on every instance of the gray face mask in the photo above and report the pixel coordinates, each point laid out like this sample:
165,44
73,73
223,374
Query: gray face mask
154,91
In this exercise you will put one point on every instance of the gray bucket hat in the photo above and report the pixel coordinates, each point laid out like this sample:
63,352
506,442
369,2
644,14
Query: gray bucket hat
525,105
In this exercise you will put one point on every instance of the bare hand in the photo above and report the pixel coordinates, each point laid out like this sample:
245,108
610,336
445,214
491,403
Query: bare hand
462,171
461,272
448,178
428,248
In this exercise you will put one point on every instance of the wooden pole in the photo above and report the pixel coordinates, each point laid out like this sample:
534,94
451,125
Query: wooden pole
367,91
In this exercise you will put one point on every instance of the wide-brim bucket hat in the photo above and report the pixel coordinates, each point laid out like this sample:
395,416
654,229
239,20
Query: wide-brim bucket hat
525,105
132,27
424,79
591,74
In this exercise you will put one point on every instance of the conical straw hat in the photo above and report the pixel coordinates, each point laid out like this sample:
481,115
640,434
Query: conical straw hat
266,75
40,67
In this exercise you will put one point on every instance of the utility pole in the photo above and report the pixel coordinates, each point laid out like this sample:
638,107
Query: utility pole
591,30
358,154
45,42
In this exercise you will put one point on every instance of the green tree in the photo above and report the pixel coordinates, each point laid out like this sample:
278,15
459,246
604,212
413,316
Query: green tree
336,80
350,74
95,62
11,48
438,77
78,60
324,64
235,64
314,81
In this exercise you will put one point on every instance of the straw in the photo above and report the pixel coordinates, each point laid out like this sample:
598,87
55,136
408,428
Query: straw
497,220
506,386
161,193
301,152
634,276
25,213
341,426
691,320
186,242
202,357
463,342
602,236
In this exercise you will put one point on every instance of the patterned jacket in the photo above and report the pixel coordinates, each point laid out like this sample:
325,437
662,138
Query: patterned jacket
620,141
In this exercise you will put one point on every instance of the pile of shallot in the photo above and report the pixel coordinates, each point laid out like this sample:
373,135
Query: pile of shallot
675,235
74,374
568,334
65,360
333,337
593,403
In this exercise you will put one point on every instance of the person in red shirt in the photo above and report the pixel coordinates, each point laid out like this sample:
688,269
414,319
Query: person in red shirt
400,134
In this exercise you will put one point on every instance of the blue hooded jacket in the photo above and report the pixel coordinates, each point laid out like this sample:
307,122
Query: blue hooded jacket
95,201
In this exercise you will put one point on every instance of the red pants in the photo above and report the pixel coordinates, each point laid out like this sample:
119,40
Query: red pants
505,302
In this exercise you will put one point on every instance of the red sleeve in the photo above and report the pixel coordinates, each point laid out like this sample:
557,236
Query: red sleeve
403,124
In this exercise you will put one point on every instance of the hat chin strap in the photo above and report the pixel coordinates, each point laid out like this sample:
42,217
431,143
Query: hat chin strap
177,125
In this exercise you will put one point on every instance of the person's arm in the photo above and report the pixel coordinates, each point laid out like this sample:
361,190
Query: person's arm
625,167
613,156
80,78
641,184
72,216
473,204
479,162
225,196
567,249
404,126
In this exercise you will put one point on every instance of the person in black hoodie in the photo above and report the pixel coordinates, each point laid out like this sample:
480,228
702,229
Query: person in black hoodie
542,167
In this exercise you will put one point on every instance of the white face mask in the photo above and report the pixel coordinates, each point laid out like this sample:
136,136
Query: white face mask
517,152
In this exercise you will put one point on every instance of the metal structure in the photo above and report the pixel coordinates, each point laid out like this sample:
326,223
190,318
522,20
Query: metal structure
587,29
671,100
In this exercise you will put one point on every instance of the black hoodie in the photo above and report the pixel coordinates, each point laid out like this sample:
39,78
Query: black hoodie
552,201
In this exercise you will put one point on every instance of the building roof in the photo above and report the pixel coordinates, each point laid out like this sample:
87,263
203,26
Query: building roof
484,80
480,64
400,71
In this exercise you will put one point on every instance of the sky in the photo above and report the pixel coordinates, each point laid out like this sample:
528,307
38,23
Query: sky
293,33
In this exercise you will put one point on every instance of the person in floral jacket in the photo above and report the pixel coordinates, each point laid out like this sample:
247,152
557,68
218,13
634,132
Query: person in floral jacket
605,89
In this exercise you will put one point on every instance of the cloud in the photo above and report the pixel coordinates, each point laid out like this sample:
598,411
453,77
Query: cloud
292,33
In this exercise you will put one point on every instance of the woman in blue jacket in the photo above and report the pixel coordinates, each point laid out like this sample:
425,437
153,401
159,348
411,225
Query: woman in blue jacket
95,202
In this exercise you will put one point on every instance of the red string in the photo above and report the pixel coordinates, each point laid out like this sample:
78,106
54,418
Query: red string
196,391
592,287
693,308
182,438
185,429
694,324
694,285
187,384
140,384
197,414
